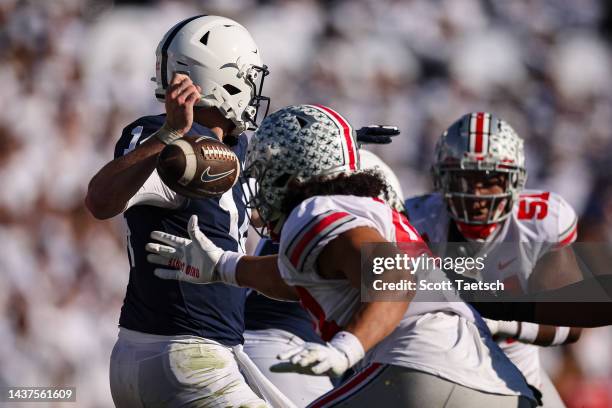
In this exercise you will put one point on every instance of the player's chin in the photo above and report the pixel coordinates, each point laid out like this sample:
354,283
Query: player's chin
479,216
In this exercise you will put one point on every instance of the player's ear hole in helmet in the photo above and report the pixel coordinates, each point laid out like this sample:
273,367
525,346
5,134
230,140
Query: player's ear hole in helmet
222,58
479,168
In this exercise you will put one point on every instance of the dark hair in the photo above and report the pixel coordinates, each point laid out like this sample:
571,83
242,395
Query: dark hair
230,140
363,184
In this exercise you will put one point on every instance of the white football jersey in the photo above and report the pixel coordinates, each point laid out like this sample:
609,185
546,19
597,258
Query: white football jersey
445,337
540,222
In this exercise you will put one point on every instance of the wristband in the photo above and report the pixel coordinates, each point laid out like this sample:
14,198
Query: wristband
528,332
561,334
226,267
350,345
167,135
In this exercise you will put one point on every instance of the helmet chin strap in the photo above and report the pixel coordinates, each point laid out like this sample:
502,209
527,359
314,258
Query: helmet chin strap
476,232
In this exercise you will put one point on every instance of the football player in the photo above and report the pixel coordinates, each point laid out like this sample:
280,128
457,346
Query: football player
523,235
312,193
178,343
274,327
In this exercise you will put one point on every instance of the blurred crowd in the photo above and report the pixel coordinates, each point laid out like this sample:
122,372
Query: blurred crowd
73,73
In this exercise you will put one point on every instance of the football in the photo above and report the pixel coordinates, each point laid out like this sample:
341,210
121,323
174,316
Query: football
198,167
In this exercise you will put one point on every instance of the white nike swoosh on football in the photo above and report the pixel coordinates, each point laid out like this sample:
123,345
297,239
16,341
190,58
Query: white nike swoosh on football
207,177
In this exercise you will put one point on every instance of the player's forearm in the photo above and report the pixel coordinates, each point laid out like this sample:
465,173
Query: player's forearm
555,335
376,320
578,314
112,187
552,307
261,273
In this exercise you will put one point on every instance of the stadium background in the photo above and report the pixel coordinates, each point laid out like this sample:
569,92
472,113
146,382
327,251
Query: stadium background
74,72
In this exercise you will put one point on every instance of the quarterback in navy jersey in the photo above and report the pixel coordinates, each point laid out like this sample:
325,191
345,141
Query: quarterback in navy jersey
153,306
180,344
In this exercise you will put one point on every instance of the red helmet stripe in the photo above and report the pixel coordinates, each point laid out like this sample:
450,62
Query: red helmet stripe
347,133
479,131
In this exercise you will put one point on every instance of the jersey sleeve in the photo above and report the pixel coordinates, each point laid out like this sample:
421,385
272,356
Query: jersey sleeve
153,192
567,224
156,193
552,219
137,133
307,231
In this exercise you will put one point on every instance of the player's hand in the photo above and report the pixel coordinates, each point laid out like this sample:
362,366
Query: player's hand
192,260
318,359
376,134
334,358
181,95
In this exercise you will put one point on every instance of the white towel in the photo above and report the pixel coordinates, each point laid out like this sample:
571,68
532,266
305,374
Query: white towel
259,383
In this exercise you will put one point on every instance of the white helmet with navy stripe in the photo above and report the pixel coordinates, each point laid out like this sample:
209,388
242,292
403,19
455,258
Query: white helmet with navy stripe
222,58
479,141
297,143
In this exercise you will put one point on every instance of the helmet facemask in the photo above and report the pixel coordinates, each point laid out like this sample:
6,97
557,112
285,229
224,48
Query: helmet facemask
252,114
462,190
267,200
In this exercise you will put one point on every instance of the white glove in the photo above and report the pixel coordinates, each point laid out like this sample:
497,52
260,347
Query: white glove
337,356
195,260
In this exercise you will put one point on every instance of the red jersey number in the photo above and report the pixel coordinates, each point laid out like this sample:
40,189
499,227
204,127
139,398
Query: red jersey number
533,206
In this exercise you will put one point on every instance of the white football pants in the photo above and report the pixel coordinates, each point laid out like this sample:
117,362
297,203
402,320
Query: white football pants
390,386
177,371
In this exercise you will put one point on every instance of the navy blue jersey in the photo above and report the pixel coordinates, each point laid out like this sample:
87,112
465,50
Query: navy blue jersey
169,307
264,313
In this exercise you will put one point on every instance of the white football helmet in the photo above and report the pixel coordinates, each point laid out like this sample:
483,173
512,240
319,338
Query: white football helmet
395,194
482,142
297,143
221,57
